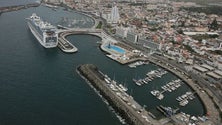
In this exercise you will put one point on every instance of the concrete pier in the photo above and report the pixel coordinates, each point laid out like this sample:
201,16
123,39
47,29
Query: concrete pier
128,108
65,45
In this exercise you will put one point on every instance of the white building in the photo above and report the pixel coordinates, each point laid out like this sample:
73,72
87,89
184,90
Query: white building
132,37
114,17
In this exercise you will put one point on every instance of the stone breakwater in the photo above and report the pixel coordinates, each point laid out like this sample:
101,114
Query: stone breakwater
18,7
132,115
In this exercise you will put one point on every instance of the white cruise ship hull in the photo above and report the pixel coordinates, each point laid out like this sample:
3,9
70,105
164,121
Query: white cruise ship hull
39,39
44,32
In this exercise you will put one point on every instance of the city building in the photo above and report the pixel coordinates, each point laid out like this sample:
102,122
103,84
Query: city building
148,43
122,31
132,37
114,16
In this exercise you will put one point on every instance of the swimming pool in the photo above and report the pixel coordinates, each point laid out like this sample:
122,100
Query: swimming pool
115,48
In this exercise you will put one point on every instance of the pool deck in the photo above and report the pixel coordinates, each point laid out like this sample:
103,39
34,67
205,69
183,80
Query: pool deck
127,57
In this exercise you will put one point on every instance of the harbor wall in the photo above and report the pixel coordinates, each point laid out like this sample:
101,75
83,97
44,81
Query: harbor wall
91,73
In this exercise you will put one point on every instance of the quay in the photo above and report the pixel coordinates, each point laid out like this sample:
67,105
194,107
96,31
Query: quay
123,61
128,108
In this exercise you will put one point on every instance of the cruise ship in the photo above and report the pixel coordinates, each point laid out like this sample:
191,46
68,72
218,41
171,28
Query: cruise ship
44,32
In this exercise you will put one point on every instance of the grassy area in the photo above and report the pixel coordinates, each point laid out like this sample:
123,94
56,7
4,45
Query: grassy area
219,52
99,26
205,36
189,48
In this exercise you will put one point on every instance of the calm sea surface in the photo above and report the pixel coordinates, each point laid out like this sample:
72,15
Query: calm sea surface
41,87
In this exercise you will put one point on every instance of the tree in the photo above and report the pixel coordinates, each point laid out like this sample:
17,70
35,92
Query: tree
180,31
214,25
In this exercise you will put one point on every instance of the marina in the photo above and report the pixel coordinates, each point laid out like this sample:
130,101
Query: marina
138,63
172,86
150,76
184,99
169,87
157,94
156,73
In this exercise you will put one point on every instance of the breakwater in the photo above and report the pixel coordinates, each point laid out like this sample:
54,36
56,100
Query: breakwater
127,107
17,7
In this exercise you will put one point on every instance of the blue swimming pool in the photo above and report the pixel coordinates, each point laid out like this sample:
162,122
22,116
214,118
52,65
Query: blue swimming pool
115,48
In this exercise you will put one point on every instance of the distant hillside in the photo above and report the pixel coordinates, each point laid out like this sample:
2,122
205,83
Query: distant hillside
200,1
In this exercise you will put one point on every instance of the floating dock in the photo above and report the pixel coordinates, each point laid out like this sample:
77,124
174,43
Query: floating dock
129,109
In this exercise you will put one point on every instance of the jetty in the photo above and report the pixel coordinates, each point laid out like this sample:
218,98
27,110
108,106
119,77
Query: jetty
167,111
128,108
65,45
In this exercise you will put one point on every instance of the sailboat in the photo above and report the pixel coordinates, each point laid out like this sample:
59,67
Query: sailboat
137,81
123,87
